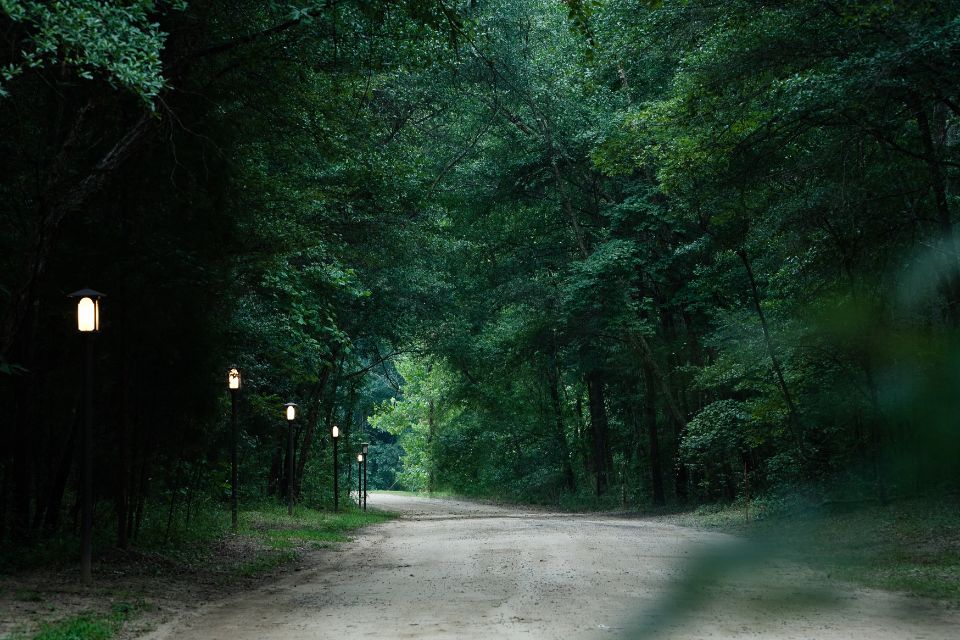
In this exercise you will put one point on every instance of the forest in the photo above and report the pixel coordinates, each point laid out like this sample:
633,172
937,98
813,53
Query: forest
594,254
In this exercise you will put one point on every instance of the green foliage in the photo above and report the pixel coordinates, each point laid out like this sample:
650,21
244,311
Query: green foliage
711,192
717,435
119,42
606,253
419,419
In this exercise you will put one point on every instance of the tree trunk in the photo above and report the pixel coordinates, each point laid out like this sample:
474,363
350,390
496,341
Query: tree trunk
141,496
772,353
876,438
938,184
26,464
345,435
4,492
173,498
275,480
641,345
191,493
22,478
347,430
650,420
680,476
563,450
313,417
123,468
51,519
432,476
599,430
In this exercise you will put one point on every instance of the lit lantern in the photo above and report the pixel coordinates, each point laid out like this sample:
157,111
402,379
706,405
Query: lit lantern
291,411
336,431
359,457
88,310
233,378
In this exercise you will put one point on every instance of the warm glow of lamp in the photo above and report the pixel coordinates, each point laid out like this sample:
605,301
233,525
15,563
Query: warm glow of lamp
336,431
359,457
87,315
291,411
233,379
88,310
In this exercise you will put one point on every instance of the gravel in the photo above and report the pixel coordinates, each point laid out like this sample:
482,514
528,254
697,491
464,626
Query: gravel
455,569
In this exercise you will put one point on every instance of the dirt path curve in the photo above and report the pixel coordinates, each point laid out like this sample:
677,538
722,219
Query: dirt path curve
451,569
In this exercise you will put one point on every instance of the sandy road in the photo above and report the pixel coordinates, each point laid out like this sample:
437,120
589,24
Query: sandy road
450,569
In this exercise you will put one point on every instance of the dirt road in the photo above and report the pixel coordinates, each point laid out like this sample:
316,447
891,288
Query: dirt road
450,569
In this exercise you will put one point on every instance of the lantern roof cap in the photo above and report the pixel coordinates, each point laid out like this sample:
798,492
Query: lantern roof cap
86,293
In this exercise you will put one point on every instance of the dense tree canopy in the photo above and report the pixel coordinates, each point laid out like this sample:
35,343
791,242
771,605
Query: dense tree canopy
619,250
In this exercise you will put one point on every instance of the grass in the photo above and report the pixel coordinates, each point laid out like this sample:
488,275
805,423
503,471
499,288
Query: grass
307,528
265,563
281,539
208,557
90,626
911,546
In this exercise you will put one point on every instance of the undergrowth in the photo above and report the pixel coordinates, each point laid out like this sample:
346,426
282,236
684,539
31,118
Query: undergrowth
89,625
910,545
267,539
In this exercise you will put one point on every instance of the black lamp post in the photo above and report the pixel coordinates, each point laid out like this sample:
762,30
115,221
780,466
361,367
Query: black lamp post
291,411
233,383
88,324
365,447
335,432
359,479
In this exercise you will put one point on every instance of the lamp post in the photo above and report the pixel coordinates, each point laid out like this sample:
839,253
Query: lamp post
291,411
233,383
365,447
88,324
335,432
359,479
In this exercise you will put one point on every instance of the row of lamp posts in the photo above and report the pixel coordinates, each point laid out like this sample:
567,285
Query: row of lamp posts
290,412
88,324
362,475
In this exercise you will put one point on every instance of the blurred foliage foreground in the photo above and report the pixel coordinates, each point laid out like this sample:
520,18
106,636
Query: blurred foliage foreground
795,564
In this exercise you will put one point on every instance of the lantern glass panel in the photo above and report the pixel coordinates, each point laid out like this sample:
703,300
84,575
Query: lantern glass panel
88,315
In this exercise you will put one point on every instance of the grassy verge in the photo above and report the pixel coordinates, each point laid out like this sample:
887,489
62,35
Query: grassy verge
89,626
912,546
307,527
164,574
